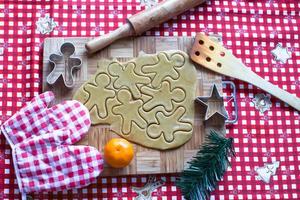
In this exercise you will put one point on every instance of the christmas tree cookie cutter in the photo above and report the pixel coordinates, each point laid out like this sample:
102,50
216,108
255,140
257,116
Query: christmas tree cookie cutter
64,65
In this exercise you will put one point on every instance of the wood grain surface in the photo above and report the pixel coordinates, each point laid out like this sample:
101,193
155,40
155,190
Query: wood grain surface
146,161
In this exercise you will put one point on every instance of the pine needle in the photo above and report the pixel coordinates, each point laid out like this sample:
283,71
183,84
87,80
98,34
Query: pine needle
206,168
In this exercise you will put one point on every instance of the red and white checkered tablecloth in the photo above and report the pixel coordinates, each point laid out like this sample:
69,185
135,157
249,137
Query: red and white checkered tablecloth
251,29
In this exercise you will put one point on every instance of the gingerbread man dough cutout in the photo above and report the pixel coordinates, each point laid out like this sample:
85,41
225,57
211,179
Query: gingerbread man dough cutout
130,109
162,96
169,125
128,78
98,94
169,68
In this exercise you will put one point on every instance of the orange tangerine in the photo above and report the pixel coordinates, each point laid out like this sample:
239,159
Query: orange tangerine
118,152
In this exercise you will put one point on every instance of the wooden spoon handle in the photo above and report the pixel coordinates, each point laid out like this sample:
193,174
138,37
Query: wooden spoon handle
281,94
215,57
105,40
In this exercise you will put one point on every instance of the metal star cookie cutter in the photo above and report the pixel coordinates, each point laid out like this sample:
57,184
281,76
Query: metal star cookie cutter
213,104
64,65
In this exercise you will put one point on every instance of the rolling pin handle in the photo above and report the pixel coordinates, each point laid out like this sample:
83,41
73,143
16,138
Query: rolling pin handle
101,42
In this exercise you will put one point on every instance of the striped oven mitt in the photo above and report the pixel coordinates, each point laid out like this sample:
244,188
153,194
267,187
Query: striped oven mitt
42,139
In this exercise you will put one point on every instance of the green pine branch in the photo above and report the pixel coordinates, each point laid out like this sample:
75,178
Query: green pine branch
206,168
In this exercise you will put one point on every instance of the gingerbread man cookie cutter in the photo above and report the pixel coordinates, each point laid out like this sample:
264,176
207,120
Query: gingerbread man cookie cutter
64,64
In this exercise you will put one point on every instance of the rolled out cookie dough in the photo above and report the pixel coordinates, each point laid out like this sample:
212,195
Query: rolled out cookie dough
148,100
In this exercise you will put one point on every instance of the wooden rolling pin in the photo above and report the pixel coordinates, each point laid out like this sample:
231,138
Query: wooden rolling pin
143,21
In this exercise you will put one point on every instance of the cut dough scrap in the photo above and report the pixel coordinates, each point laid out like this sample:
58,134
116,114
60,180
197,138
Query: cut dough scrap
148,100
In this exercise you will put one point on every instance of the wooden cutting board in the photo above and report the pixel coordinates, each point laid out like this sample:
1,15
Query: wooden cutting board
146,161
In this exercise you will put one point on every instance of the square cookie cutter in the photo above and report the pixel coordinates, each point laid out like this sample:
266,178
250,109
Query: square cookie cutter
64,65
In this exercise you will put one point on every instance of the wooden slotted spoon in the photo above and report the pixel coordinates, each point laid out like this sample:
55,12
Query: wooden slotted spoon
215,57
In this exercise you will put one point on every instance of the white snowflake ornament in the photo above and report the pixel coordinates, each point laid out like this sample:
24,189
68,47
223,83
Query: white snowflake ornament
149,3
265,172
45,24
281,54
216,38
262,102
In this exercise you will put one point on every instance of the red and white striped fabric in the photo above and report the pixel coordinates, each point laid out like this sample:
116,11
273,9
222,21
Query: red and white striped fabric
41,139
